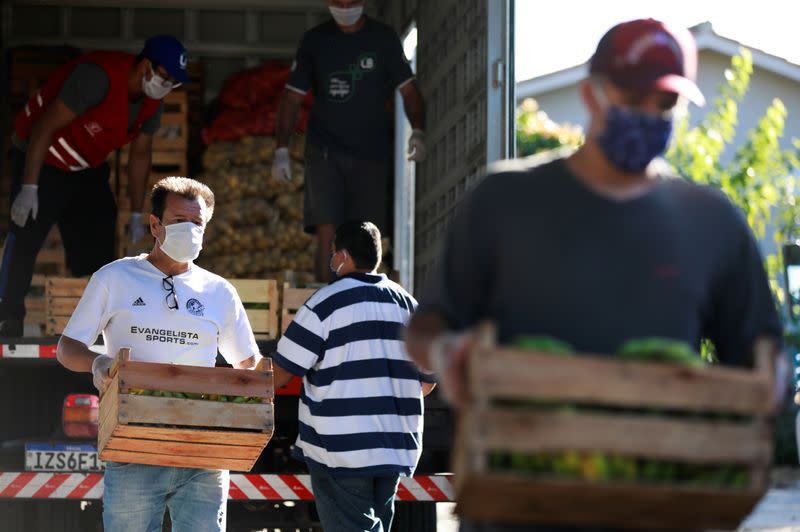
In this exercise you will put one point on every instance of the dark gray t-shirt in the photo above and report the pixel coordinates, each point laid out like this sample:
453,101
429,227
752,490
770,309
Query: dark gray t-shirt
352,77
540,253
87,86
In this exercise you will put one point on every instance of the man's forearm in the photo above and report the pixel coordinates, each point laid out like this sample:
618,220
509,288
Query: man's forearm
74,355
139,164
38,145
414,107
288,107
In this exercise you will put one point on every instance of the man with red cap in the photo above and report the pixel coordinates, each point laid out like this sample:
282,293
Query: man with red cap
90,107
600,246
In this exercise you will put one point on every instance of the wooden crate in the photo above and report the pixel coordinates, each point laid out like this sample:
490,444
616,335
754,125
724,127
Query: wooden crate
124,247
293,298
36,304
632,388
260,300
62,295
185,432
174,132
164,164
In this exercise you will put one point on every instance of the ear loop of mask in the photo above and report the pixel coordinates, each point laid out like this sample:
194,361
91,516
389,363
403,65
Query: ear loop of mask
342,264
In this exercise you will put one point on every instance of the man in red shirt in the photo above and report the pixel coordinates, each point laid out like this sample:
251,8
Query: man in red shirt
92,106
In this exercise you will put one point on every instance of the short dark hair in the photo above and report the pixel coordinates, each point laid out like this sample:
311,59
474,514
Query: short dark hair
182,186
362,240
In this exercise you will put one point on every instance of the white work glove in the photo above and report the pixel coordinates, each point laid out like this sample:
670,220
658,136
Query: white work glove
416,146
27,202
135,228
281,165
100,366
448,358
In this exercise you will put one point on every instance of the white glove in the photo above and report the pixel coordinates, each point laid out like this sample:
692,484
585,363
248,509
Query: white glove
281,165
100,366
27,202
416,146
448,354
135,228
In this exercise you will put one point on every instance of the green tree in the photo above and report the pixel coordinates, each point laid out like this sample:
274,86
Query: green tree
759,177
536,132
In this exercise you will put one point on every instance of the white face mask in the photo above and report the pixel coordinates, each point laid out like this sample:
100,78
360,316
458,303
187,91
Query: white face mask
346,16
183,241
156,87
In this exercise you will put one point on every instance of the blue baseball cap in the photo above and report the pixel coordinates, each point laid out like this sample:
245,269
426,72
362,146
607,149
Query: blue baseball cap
167,51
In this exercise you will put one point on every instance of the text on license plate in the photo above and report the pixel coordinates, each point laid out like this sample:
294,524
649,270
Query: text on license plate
46,457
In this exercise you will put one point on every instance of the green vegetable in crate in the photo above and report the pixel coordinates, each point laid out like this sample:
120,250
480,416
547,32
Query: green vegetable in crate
660,350
545,344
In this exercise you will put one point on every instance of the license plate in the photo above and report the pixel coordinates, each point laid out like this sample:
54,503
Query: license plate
61,457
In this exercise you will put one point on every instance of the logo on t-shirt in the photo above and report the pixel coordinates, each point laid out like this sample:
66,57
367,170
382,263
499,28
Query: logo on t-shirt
139,302
195,307
342,84
93,128
367,62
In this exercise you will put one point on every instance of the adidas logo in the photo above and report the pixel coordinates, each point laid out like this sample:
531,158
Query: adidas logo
139,302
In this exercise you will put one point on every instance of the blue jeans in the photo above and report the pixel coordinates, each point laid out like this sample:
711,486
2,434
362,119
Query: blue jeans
135,495
350,504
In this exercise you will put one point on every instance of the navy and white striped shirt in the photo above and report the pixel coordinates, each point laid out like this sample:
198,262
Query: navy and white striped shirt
361,408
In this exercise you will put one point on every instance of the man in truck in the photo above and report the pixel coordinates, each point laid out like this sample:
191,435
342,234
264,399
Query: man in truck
352,64
168,310
600,246
89,108
361,408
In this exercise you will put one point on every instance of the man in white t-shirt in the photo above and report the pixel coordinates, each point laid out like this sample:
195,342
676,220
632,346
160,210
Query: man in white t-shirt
168,310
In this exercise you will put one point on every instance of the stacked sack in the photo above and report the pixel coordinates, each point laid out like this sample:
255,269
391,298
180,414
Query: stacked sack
257,228
258,221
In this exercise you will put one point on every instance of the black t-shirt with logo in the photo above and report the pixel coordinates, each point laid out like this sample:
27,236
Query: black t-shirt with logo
352,77
540,253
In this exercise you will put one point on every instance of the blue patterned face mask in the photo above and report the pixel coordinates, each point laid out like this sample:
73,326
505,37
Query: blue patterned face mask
632,139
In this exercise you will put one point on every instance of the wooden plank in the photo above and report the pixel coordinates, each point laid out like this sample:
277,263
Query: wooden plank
604,381
109,414
696,441
631,506
33,304
208,450
65,287
259,320
245,439
197,413
254,290
62,306
51,255
178,461
56,324
180,378
294,298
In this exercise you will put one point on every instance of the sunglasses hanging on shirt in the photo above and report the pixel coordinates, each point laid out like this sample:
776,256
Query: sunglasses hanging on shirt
171,298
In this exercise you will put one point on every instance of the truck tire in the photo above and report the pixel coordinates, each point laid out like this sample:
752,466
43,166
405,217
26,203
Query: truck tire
414,517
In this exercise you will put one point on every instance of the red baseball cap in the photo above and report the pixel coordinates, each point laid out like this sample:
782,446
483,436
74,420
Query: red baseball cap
648,54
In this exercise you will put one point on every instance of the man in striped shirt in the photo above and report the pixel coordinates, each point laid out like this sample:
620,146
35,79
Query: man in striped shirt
361,408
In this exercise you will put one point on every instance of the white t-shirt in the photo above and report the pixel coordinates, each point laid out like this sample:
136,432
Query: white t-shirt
126,300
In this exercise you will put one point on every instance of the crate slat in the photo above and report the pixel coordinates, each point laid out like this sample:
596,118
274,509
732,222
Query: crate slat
193,379
205,450
177,460
607,381
62,306
193,412
658,438
233,438
293,300
65,287
623,506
